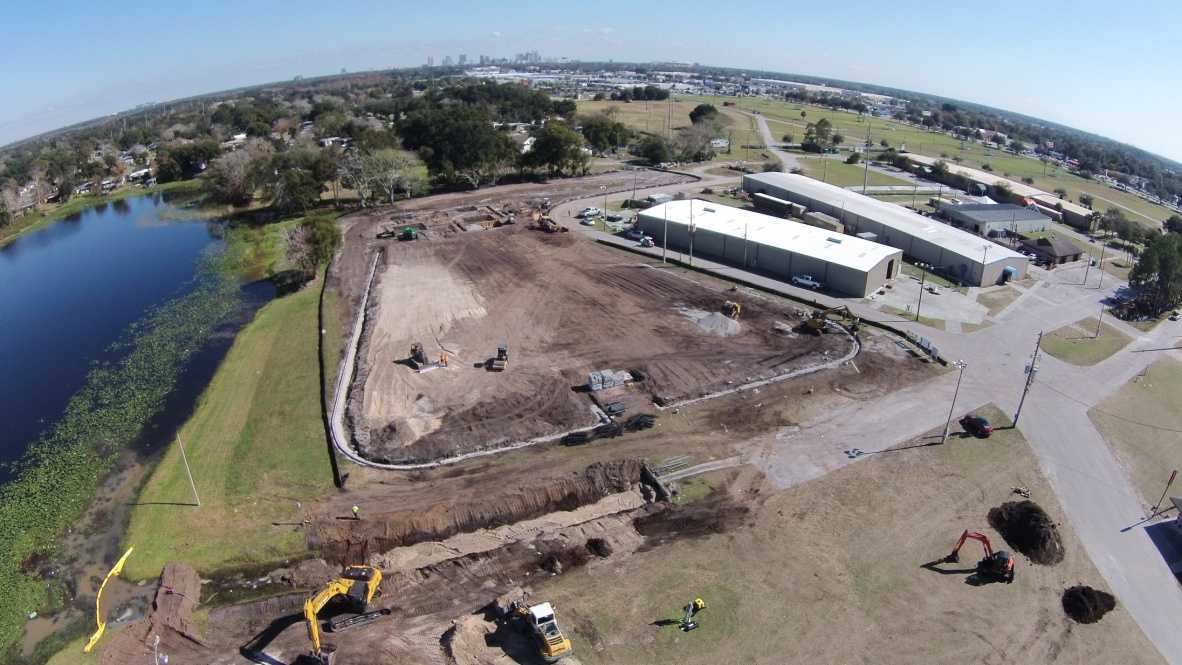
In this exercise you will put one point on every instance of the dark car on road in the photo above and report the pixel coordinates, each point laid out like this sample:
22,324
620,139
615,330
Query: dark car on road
977,426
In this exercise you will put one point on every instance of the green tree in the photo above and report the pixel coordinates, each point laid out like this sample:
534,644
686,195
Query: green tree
1059,191
234,177
787,138
854,158
1159,271
655,150
559,149
703,112
1173,224
313,243
1086,200
603,133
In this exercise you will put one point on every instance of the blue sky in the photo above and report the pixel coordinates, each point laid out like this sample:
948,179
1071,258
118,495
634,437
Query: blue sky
1111,68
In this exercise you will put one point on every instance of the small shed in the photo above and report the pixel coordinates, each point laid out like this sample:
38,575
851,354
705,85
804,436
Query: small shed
1053,249
823,221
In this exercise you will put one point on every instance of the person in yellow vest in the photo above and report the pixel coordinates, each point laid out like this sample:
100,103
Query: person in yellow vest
356,513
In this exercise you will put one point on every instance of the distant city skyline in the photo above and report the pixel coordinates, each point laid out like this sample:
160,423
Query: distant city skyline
1079,64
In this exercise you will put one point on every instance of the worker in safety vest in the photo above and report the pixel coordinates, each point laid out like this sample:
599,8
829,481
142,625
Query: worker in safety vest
356,513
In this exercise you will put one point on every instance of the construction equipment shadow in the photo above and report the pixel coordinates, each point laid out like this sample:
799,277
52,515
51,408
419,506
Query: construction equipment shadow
972,579
253,649
511,638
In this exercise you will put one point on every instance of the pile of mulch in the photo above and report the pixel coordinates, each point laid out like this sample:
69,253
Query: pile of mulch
1087,605
1028,529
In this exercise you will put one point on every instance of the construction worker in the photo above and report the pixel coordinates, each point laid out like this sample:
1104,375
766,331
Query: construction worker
356,512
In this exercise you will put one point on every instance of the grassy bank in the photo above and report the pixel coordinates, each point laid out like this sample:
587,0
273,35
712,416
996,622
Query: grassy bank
256,447
1078,344
77,204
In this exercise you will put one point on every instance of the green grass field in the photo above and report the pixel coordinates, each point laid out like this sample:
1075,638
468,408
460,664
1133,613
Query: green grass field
1076,344
658,117
1131,418
837,172
256,447
784,117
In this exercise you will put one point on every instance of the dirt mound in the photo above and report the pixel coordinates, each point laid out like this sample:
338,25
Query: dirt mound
1028,529
713,323
661,523
171,620
599,547
349,541
1087,605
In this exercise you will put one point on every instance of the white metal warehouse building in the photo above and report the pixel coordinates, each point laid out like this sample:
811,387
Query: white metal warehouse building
771,245
969,258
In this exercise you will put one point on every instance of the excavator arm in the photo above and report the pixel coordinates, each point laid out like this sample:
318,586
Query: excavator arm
358,583
970,535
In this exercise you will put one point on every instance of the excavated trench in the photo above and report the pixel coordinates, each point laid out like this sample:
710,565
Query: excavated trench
380,532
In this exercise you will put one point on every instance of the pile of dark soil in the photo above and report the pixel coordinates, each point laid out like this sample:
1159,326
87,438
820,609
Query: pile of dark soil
1028,529
716,514
599,547
1087,605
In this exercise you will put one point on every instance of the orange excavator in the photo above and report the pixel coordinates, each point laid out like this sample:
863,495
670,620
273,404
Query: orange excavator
997,565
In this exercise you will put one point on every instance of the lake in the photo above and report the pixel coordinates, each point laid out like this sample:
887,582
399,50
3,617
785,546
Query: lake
70,290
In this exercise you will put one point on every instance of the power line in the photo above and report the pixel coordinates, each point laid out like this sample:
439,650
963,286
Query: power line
1110,414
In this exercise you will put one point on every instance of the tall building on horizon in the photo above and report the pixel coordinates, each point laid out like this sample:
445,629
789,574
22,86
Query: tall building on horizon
430,61
447,61
463,59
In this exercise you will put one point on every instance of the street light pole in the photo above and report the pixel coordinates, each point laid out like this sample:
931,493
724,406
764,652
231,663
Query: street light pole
1099,322
952,409
1100,266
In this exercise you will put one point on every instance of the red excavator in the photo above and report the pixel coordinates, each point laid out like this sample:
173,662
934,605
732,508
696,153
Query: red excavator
997,566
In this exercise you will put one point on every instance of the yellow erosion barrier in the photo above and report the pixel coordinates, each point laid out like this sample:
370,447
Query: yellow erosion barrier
98,613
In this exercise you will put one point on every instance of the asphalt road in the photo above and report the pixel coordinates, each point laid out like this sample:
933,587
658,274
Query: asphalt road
1097,496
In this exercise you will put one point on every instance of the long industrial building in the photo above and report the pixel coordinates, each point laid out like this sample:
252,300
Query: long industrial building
771,245
959,254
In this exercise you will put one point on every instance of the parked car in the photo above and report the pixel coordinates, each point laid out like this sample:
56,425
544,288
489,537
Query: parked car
807,281
590,212
614,217
977,426
634,234
647,241
587,221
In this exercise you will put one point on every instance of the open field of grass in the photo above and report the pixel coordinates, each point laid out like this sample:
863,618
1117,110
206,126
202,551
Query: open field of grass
837,172
77,204
658,117
1077,344
256,447
785,117
831,571
1130,420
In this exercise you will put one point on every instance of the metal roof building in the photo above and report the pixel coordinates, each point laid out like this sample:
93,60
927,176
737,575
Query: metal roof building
778,247
963,256
991,219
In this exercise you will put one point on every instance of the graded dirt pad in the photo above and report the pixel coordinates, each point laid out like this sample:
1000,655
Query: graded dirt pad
662,523
171,620
1028,529
351,269
565,306
1087,605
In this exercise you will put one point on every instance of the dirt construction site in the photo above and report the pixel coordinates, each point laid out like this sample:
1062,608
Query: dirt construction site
621,529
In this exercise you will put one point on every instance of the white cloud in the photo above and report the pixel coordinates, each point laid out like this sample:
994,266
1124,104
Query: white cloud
496,34
606,31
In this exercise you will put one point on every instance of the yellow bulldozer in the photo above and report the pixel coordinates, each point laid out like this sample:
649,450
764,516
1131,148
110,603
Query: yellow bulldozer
732,309
539,621
358,585
543,222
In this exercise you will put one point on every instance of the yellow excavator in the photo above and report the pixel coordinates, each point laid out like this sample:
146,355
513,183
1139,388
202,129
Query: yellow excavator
358,585
732,309
816,323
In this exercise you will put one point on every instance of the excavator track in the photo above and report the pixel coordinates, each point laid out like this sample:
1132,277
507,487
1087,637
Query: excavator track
338,624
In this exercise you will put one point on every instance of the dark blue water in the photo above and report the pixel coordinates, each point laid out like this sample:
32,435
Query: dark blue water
70,290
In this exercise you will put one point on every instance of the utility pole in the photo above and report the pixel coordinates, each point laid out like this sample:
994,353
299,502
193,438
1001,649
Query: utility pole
922,275
948,423
866,169
185,459
1100,266
1170,482
665,231
1099,322
1030,372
